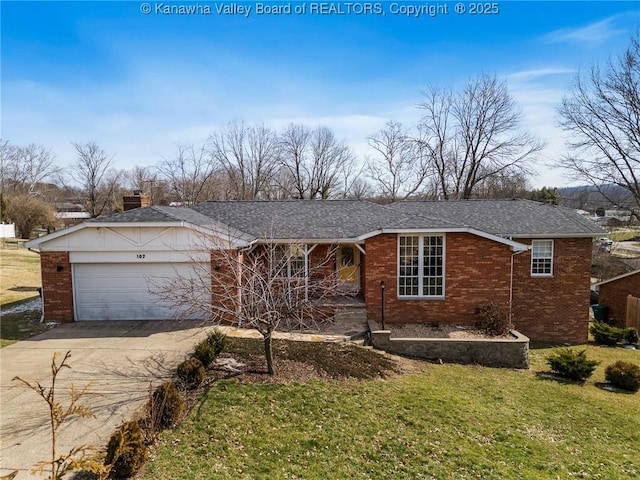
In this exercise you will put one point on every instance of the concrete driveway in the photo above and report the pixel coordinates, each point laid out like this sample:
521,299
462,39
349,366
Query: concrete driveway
120,359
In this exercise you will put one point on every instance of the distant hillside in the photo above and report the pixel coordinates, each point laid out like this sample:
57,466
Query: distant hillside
587,197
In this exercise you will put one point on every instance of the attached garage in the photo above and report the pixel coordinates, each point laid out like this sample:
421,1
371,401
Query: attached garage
124,291
113,268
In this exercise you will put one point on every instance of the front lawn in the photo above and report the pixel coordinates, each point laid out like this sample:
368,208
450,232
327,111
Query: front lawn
19,283
436,421
19,275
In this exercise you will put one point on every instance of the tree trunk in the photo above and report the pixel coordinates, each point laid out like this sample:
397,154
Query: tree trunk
268,353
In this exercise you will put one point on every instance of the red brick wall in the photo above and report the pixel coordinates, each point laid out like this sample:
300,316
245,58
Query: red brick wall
614,294
477,271
554,308
224,281
322,261
57,287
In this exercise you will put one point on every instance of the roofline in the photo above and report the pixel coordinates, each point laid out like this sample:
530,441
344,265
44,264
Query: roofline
236,238
515,246
556,235
616,278
327,241
35,243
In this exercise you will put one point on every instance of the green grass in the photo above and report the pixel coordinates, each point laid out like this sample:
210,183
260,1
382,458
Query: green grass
446,421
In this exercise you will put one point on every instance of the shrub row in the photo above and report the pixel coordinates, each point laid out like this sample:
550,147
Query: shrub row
127,448
574,365
605,334
208,349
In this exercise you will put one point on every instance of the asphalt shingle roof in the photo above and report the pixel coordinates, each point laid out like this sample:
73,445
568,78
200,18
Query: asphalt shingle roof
298,219
157,213
343,219
504,217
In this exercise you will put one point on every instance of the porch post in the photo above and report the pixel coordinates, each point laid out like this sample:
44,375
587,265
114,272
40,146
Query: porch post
307,251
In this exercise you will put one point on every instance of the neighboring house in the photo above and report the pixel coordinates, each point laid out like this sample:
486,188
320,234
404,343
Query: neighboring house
71,213
439,261
614,292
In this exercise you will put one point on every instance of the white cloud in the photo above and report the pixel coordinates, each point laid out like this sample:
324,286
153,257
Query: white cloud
538,92
594,33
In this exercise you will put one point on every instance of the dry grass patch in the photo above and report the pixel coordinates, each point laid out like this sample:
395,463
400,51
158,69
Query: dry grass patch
19,275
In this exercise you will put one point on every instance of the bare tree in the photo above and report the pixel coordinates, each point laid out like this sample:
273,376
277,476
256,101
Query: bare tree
267,287
354,182
316,161
248,156
473,135
148,181
398,169
29,212
191,174
23,167
98,181
602,114
506,184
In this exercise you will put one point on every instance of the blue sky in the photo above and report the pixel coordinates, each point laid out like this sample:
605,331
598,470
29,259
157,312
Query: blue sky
141,84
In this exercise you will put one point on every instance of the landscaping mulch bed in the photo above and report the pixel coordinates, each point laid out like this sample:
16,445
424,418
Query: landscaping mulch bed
303,361
439,331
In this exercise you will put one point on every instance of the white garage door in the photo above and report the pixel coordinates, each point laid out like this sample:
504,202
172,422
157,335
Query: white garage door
122,291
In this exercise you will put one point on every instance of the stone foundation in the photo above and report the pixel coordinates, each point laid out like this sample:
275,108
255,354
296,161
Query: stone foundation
499,352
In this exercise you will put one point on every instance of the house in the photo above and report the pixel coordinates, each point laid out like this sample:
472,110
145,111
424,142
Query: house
614,292
439,261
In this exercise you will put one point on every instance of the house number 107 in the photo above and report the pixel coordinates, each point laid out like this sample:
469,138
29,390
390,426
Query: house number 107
140,255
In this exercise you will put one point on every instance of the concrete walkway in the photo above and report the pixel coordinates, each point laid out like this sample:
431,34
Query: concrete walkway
119,359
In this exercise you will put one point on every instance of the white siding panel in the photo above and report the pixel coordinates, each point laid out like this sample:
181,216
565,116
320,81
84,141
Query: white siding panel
120,291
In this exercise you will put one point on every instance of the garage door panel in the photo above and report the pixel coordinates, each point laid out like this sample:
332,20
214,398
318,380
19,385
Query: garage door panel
124,291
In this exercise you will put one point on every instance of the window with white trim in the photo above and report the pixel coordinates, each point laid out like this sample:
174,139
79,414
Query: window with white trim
288,261
421,266
542,258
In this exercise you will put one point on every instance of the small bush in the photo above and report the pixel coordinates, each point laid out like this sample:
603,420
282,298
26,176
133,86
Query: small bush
126,451
191,373
605,334
624,375
631,335
165,406
493,320
572,365
208,349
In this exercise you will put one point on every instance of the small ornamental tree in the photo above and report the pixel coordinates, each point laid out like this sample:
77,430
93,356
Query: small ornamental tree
266,287
83,457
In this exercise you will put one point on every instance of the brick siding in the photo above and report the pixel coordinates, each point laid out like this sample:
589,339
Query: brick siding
477,271
224,280
57,287
554,308
614,294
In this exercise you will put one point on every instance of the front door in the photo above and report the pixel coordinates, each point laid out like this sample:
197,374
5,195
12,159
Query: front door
348,266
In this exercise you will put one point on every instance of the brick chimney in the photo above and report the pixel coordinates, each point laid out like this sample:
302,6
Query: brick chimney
137,200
